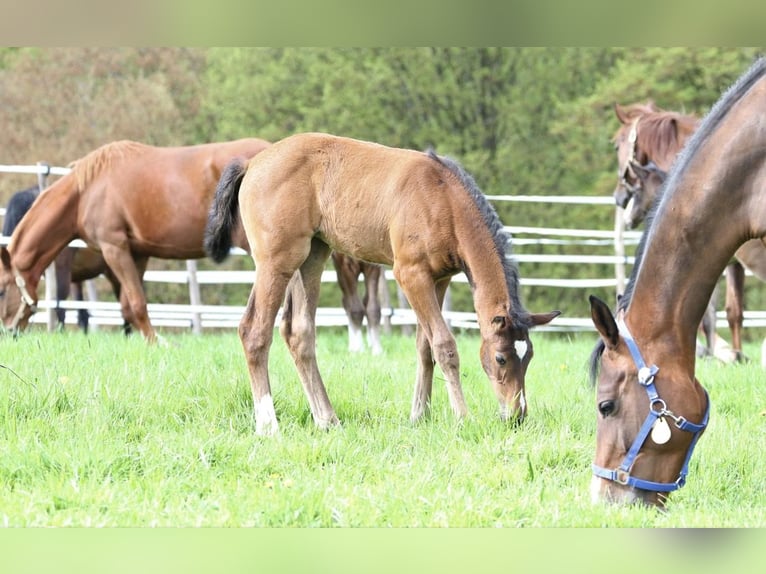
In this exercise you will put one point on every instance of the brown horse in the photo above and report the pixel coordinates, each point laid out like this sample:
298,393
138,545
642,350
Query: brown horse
647,142
752,254
422,214
129,201
651,408
358,309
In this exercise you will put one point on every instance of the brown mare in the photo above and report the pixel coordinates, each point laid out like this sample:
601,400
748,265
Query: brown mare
129,201
651,408
647,142
422,214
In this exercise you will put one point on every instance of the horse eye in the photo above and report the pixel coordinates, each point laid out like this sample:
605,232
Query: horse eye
606,408
500,358
2,292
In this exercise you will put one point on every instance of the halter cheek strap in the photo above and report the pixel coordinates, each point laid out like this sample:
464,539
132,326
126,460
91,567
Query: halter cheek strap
657,409
632,138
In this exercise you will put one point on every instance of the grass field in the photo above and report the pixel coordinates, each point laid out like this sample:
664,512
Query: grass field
103,431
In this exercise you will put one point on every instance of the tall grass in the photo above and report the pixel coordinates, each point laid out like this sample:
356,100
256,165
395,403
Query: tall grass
105,431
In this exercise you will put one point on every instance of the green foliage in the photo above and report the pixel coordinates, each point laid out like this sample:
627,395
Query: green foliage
521,120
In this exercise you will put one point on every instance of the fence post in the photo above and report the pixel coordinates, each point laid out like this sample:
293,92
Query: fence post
51,283
619,249
194,295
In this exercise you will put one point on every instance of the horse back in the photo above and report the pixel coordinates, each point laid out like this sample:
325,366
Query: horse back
359,197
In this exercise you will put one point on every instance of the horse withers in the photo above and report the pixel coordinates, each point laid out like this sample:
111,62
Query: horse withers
651,409
420,213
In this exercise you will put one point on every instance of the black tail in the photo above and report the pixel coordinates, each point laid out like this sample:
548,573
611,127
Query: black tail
224,212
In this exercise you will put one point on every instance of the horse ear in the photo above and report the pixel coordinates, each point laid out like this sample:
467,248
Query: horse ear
604,322
5,257
621,114
538,319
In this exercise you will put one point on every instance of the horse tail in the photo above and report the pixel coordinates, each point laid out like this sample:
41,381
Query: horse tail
224,211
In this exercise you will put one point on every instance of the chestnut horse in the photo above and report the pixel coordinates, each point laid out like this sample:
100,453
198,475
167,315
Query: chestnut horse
72,266
129,201
423,214
651,408
647,142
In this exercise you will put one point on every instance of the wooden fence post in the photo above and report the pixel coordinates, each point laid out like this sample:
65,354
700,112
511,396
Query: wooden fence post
51,283
194,295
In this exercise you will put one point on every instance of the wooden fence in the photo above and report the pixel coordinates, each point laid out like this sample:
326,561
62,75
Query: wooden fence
197,316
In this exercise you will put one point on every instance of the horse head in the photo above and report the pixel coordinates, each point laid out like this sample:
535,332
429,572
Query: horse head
650,178
644,437
505,355
628,153
16,304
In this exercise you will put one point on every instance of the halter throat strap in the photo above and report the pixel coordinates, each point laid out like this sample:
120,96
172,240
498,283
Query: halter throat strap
657,409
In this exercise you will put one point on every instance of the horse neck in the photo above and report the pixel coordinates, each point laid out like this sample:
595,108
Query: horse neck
699,225
48,227
491,290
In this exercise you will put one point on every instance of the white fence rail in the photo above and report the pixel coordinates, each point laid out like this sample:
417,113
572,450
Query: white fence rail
198,316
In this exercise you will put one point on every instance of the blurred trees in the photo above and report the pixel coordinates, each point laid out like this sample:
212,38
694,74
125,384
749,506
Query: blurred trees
521,120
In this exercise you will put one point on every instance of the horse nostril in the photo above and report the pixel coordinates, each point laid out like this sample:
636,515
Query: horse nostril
606,408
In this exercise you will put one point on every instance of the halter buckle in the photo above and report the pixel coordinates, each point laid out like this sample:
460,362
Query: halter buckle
621,476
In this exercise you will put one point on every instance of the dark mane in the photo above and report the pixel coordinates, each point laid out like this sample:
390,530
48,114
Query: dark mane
501,238
706,127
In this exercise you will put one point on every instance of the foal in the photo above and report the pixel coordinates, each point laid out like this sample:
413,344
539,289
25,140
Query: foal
420,213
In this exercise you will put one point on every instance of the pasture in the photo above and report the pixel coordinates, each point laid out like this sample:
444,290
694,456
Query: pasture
98,430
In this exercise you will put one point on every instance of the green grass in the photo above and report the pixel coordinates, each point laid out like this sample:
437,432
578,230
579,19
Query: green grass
104,431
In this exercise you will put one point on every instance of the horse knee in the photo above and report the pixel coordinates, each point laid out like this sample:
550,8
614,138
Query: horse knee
445,353
253,342
299,337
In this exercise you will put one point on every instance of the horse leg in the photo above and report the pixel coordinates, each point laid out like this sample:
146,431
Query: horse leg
132,296
348,278
434,340
63,267
82,314
127,318
735,305
298,329
372,306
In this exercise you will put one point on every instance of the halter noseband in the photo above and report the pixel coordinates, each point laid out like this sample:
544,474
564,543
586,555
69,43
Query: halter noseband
26,300
657,410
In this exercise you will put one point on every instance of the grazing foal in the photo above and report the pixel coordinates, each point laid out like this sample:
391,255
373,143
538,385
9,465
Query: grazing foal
420,213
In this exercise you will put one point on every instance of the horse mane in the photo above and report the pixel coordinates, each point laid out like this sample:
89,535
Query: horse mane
709,123
88,167
501,238
658,134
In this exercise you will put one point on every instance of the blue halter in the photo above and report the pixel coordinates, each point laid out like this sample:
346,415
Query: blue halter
657,409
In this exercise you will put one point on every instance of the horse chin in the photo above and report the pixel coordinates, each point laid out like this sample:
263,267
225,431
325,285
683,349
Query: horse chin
513,416
604,491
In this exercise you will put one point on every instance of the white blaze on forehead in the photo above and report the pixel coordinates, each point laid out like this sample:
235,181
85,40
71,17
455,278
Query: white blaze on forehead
521,348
